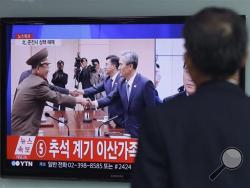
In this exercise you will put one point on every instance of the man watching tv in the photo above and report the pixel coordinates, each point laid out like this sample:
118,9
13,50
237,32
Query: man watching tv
181,142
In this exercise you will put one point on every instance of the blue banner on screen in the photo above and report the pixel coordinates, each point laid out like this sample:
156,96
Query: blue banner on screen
100,31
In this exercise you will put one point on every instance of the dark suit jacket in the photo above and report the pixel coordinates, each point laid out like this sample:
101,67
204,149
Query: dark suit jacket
116,107
142,95
181,94
181,142
60,79
84,77
158,100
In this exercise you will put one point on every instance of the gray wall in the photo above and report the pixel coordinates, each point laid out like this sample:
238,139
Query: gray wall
57,8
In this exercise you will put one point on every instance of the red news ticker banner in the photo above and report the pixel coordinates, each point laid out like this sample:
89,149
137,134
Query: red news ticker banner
24,36
71,149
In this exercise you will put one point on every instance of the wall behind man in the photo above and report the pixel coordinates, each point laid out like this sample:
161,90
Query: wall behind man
60,8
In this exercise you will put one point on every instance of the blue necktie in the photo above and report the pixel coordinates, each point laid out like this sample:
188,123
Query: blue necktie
110,85
127,90
111,81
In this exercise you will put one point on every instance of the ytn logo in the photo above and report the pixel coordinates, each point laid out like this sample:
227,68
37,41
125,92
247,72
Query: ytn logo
21,163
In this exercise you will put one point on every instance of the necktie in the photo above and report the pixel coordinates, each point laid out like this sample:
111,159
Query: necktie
127,90
111,80
110,84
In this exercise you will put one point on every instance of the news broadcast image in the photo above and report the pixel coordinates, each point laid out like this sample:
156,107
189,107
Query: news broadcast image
82,138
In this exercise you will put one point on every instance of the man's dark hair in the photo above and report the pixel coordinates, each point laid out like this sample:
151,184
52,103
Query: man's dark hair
60,62
95,61
114,60
84,59
216,41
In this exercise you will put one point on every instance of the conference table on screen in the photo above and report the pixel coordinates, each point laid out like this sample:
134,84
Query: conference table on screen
78,127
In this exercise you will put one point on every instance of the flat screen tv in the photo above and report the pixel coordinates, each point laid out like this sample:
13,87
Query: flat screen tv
82,148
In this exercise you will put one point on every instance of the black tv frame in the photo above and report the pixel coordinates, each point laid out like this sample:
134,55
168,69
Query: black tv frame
60,173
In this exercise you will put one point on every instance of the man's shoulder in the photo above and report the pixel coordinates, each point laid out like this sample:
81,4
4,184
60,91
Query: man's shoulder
118,76
106,78
27,72
180,109
34,78
32,81
121,80
174,104
172,97
142,79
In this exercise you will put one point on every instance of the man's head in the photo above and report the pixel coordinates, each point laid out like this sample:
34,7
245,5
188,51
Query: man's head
60,65
216,43
39,63
188,83
84,62
95,63
112,65
128,64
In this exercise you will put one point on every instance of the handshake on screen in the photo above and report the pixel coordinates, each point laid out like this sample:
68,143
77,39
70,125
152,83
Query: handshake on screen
86,102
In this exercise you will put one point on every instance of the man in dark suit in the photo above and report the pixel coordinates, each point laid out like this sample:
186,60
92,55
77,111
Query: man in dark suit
110,84
84,76
60,79
181,142
97,76
187,89
134,91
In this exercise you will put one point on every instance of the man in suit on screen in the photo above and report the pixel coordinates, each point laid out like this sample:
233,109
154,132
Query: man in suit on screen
187,89
134,91
182,141
110,84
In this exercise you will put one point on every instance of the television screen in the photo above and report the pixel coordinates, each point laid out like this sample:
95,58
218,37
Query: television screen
78,142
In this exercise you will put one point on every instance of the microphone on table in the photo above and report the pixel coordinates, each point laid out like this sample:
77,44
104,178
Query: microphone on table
54,108
65,123
107,121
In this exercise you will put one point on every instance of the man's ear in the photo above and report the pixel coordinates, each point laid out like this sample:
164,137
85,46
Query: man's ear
190,67
37,70
188,61
244,59
131,66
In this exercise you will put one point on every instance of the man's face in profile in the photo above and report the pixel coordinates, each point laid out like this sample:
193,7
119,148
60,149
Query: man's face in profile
97,66
125,68
189,85
43,71
84,63
109,68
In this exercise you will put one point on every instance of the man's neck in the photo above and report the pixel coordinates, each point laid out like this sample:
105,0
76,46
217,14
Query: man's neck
113,73
199,78
34,73
131,75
